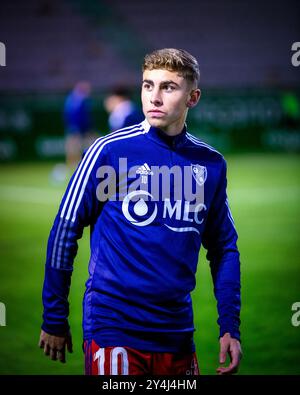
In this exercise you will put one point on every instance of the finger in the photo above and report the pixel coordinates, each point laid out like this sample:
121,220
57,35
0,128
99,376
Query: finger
231,369
223,352
61,356
46,349
53,354
69,344
222,357
226,372
234,358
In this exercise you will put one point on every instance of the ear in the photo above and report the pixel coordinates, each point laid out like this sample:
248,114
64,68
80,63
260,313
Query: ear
194,98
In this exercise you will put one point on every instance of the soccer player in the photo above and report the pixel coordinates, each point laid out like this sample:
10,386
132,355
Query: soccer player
78,123
145,238
122,110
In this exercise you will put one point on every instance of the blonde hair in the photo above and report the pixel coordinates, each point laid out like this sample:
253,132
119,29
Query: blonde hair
172,59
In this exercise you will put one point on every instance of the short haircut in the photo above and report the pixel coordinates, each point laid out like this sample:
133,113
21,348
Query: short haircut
120,90
172,59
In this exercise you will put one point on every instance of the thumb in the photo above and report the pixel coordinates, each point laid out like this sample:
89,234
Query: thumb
222,356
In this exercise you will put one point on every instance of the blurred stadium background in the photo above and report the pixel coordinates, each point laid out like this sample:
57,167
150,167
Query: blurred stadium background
250,111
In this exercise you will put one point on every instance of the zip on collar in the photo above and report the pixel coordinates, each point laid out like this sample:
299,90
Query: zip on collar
161,137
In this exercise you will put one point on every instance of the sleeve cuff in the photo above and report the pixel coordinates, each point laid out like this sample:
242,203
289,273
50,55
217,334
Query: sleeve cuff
56,329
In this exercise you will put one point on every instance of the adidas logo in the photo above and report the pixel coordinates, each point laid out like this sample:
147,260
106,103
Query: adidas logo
144,170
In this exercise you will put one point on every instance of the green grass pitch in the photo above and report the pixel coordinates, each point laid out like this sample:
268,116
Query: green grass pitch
264,194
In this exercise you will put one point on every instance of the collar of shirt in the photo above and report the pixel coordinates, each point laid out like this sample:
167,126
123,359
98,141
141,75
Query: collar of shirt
162,138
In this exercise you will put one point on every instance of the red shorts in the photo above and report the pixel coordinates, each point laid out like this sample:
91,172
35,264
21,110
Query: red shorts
129,361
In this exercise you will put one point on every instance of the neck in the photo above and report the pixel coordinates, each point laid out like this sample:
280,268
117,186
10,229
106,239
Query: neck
171,136
171,133
174,129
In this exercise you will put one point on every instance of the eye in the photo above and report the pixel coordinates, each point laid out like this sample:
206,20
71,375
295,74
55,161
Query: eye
169,88
147,86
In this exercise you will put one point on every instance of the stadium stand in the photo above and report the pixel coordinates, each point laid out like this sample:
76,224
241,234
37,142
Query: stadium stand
51,44
250,89
237,43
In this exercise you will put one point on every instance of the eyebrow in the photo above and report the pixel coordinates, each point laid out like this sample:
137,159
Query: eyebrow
167,82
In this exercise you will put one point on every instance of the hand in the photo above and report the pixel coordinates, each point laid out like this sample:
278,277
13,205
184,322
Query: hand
233,348
55,346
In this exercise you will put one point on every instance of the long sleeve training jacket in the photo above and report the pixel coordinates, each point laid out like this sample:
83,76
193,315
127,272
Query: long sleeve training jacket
145,240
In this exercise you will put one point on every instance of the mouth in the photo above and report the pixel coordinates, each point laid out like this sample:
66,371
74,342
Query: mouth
155,112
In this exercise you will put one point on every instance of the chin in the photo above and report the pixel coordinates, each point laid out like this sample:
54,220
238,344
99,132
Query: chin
158,123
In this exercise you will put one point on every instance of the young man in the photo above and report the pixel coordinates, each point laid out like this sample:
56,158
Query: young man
145,239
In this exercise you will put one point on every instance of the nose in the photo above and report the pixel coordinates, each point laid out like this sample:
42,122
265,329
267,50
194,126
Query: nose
156,98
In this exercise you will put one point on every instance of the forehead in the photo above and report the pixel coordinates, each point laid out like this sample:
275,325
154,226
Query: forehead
159,76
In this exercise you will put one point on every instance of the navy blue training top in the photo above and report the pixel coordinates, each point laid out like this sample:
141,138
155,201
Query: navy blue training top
145,241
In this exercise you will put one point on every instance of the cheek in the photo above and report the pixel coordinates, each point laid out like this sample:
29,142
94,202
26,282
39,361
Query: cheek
178,105
144,98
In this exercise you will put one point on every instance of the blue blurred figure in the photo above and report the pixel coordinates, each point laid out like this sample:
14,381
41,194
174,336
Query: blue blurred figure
123,112
78,122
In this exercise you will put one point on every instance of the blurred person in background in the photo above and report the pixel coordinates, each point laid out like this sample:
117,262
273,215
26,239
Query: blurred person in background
123,112
78,126
78,123
137,309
